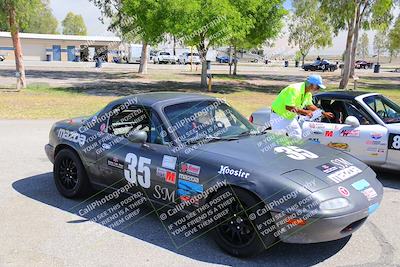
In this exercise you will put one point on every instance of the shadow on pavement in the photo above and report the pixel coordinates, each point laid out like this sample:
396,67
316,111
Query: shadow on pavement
388,179
149,229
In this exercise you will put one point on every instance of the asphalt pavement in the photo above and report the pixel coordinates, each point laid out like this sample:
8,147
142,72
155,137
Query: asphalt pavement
38,227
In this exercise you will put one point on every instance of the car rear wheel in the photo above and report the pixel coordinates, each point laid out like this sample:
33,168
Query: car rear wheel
235,233
69,174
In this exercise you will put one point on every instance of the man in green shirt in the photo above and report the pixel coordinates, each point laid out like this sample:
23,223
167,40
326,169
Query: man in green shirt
294,100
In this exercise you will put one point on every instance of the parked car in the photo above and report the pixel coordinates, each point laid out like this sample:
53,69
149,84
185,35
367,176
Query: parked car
188,58
2,58
202,161
164,57
320,65
362,64
225,59
366,125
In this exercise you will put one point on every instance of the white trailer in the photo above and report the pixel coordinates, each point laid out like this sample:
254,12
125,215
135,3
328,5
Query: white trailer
133,53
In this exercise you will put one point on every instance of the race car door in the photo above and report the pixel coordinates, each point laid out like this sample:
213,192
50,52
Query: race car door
368,141
151,166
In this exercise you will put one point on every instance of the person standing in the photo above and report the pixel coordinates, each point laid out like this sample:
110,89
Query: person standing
294,100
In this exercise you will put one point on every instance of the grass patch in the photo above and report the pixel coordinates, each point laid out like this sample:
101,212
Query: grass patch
40,101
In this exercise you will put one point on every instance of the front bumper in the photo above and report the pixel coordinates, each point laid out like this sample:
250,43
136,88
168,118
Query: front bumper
49,149
325,229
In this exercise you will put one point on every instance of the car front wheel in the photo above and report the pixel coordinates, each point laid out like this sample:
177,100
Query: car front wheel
235,233
69,174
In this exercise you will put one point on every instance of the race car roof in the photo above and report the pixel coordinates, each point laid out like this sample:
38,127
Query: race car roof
342,94
164,98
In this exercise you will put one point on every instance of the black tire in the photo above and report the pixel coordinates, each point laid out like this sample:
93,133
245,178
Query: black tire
69,175
235,233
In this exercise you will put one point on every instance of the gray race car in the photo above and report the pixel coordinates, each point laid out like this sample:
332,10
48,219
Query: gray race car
251,188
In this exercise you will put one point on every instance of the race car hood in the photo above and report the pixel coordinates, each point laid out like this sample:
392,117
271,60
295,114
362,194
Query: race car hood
253,153
74,121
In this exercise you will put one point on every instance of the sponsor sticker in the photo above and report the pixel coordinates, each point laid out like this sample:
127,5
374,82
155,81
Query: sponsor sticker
169,162
373,208
375,143
369,193
346,170
360,185
340,146
344,191
190,169
344,174
72,136
238,173
327,168
376,136
186,188
350,133
314,140
116,163
329,134
103,127
189,178
169,176
317,131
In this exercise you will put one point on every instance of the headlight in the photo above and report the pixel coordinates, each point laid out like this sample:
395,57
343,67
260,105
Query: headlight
334,204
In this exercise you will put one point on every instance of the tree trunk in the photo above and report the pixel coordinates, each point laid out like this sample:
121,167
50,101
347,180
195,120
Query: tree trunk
174,47
203,56
303,58
230,60
354,45
19,62
234,61
143,59
346,68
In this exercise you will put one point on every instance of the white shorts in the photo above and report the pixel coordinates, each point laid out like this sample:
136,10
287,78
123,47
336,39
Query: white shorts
281,125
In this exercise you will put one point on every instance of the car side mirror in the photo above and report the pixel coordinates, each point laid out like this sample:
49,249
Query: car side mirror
137,137
352,121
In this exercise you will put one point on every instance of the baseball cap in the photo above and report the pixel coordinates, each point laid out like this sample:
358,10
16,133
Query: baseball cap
317,80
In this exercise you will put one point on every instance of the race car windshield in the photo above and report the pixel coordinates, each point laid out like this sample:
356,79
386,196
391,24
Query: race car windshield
211,120
386,109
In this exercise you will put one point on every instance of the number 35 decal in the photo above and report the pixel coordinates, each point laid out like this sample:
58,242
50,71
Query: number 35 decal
296,153
394,141
138,172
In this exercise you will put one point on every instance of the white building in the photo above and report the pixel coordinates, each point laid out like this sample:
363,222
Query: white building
56,47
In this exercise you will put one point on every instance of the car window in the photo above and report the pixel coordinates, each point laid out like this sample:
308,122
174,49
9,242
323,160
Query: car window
130,119
359,113
201,119
158,133
342,109
387,110
164,54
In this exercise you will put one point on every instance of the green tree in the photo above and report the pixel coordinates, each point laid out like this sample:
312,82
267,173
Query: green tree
74,25
262,21
42,20
308,27
206,23
352,15
363,46
394,40
146,21
16,14
380,40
